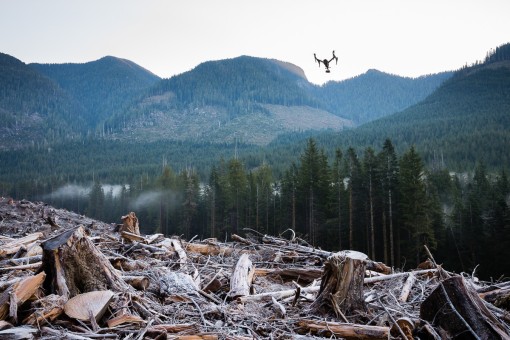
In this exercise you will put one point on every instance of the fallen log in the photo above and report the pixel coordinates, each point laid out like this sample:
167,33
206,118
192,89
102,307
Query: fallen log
282,294
13,246
341,286
74,265
306,275
132,237
22,267
456,309
406,289
21,260
375,279
208,249
343,330
498,297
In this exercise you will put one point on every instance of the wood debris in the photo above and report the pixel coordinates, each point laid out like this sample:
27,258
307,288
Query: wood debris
89,281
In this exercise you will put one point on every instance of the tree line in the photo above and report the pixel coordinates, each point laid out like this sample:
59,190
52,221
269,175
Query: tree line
386,205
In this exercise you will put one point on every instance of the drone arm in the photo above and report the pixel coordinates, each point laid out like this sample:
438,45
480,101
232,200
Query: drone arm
317,60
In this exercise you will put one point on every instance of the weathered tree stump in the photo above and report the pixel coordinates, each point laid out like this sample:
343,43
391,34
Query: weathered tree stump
130,224
74,265
242,277
342,286
459,312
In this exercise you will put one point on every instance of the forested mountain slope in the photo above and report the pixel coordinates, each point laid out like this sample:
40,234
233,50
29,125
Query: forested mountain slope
103,86
375,94
464,121
255,100
33,108
247,99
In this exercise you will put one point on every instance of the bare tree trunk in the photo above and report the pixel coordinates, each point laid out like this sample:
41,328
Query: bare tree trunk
372,227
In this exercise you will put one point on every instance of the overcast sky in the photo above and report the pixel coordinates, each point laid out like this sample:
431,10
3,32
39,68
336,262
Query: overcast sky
403,37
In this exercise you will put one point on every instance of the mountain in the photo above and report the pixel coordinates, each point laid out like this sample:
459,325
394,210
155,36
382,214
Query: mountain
243,99
466,120
33,108
255,100
103,86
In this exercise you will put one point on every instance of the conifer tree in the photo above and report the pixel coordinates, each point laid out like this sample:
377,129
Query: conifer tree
414,204
389,176
338,182
370,173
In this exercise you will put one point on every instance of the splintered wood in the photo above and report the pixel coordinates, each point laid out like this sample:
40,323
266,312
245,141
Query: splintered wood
63,275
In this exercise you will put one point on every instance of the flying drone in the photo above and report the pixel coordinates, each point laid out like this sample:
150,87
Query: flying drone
326,61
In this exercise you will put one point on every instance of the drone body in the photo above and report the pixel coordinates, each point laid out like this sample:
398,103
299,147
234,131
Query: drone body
326,61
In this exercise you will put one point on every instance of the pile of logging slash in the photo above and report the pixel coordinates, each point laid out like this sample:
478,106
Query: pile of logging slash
64,275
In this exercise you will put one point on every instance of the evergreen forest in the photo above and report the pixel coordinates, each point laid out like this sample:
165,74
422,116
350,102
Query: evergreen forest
385,204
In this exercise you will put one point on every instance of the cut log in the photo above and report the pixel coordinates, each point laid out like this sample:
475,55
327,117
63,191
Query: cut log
18,293
208,249
74,265
344,330
132,237
341,287
242,277
457,309
87,305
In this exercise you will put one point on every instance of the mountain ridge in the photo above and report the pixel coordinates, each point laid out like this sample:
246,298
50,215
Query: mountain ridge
245,97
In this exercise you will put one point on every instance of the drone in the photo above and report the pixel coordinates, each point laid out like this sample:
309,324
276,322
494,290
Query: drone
326,61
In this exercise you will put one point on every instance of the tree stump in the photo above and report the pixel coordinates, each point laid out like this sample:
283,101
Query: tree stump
342,286
458,311
242,277
74,265
130,224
